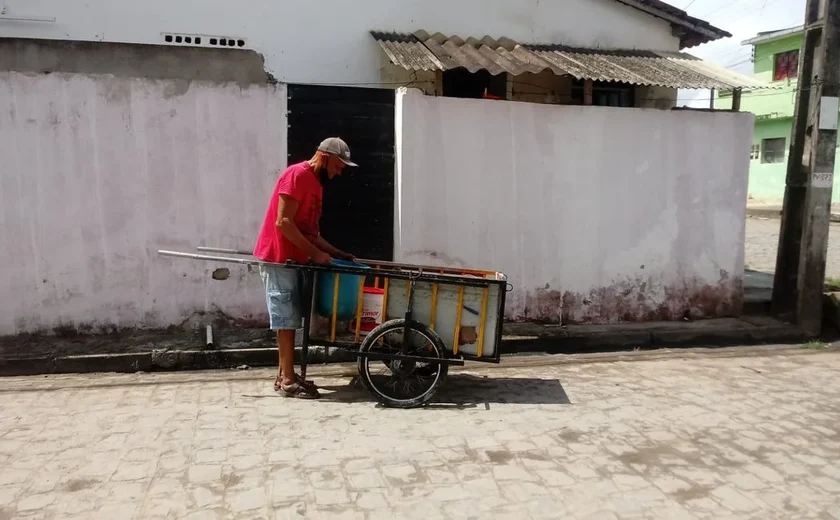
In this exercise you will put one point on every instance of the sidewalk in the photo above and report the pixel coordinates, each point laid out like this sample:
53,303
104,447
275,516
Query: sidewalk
683,437
182,350
774,210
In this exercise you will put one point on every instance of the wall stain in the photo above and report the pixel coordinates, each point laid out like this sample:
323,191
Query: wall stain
176,88
643,299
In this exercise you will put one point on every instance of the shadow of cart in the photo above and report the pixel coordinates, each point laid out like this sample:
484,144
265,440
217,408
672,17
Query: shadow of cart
464,391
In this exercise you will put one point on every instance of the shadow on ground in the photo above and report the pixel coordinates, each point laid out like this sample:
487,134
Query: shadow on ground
467,391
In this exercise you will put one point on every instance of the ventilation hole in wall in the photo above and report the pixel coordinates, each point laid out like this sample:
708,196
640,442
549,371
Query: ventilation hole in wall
194,39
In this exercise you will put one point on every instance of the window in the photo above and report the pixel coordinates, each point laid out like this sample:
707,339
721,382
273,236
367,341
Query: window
755,150
604,93
773,150
786,65
461,83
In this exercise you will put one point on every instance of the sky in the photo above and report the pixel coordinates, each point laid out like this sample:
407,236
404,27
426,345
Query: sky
744,19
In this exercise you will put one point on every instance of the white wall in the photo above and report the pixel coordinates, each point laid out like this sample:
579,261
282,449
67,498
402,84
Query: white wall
98,173
595,214
328,41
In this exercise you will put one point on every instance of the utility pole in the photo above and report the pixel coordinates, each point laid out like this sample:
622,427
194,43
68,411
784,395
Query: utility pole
803,240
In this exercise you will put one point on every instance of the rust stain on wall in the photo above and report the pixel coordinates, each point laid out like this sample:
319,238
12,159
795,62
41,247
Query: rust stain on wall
638,299
643,299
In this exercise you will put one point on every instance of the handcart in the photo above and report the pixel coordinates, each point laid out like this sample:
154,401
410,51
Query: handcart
406,323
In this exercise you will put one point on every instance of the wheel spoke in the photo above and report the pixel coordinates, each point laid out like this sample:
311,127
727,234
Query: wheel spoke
405,381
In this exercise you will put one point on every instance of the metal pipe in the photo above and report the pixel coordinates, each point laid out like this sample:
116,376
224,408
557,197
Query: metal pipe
24,18
386,286
434,306
194,256
334,318
427,277
483,322
386,356
209,342
457,343
359,306
223,250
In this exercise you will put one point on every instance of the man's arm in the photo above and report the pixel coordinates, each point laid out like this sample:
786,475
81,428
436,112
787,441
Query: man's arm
331,250
286,210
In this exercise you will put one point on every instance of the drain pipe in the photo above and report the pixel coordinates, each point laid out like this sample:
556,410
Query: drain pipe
209,336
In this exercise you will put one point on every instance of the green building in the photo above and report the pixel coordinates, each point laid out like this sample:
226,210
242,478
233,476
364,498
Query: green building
776,61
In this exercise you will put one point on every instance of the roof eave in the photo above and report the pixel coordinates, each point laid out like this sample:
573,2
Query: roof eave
777,35
690,30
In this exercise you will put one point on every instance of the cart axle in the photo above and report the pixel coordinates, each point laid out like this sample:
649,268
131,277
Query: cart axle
401,357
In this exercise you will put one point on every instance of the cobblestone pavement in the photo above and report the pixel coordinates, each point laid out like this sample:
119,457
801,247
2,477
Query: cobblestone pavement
762,242
704,437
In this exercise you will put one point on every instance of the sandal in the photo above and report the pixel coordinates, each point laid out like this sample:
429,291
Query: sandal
299,391
299,380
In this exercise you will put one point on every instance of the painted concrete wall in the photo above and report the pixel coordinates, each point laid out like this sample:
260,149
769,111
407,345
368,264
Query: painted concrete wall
328,41
99,172
595,214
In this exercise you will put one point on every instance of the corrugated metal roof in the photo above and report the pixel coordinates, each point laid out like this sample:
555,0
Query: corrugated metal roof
665,69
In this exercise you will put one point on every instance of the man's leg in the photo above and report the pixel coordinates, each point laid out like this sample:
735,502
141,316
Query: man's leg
282,297
286,350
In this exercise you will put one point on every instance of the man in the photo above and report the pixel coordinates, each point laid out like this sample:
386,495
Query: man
291,231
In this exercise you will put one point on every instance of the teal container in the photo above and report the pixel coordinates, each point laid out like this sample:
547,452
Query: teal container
348,292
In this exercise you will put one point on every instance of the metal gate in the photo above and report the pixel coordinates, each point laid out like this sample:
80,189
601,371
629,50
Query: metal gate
358,212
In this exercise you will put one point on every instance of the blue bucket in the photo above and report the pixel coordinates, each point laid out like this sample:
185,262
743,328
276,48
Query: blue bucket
348,292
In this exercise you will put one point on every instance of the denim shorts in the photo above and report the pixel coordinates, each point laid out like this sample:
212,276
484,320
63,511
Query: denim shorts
283,296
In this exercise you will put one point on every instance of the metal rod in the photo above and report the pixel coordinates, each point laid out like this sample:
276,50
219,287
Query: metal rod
334,317
223,250
434,306
359,306
309,289
458,315
47,19
194,256
405,357
376,263
426,267
209,341
482,322
426,277
386,285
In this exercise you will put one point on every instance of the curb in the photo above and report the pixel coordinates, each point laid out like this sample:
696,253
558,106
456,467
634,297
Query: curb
776,213
655,339
571,343
166,360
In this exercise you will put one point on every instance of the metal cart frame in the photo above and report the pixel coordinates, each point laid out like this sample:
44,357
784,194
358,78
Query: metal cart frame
385,275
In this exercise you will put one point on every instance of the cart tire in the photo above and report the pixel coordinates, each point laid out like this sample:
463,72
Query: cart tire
436,350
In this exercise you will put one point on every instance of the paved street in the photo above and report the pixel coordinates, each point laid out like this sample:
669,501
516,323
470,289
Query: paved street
703,437
762,241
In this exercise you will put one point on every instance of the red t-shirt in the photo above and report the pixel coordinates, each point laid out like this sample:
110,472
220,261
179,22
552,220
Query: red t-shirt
300,183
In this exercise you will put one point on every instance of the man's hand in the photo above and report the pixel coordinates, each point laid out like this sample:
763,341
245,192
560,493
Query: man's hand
321,257
345,256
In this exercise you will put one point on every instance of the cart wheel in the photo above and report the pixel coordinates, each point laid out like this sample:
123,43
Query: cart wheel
397,383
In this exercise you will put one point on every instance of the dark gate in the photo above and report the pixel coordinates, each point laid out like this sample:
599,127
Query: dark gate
358,214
